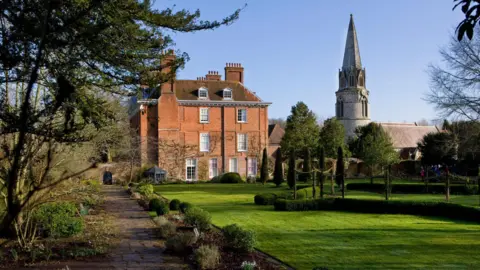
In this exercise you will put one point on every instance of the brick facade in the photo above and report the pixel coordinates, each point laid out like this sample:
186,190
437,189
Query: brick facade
170,129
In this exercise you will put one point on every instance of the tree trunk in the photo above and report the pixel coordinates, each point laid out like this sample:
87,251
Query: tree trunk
294,184
314,178
426,181
387,183
332,180
322,179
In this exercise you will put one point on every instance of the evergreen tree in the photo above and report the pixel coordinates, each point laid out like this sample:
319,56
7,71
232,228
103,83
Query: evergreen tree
307,166
278,172
70,54
332,136
340,172
301,130
291,170
264,169
321,166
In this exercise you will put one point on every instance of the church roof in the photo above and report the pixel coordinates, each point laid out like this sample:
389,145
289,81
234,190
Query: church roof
351,58
407,135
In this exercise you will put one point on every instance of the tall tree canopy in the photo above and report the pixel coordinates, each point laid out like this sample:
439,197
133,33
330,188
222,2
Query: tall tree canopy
301,131
455,85
438,148
332,136
59,58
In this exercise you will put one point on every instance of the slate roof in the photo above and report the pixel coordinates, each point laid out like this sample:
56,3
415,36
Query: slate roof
407,135
188,90
275,134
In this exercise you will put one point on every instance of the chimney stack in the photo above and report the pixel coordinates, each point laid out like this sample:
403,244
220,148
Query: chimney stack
213,76
234,72
168,56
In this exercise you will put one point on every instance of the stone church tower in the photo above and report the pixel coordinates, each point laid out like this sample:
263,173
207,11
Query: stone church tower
352,107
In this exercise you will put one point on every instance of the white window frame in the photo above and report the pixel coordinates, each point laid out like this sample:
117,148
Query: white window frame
195,165
227,90
213,167
252,167
243,118
202,90
204,144
200,113
240,144
233,161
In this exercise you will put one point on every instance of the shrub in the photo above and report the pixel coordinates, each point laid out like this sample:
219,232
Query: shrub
415,188
199,218
207,257
94,184
174,205
162,209
167,229
184,206
155,203
145,189
160,220
58,219
180,242
306,193
238,238
265,199
440,209
231,178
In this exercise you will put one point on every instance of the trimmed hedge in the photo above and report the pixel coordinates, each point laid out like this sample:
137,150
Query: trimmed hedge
306,193
265,199
184,206
174,204
231,178
439,209
415,188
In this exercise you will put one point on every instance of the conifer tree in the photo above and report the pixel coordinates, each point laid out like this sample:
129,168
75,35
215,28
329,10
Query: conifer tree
264,169
340,173
307,166
321,166
278,172
291,170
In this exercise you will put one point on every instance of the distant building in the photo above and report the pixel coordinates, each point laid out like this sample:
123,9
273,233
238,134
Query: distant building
352,106
275,135
198,129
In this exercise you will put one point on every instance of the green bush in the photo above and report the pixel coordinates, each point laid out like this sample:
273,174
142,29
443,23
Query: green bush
415,188
306,193
154,204
199,218
238,238
145,189
265,199
162,209
184,206
207,257
231,178
180,242
439,209
58,219
167,229
174,205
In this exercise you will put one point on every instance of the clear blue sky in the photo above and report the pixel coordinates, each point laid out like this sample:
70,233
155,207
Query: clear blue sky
292,50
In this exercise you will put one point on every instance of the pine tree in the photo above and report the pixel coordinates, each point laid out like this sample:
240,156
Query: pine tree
340,177
278,172
321,166
264,169
291,170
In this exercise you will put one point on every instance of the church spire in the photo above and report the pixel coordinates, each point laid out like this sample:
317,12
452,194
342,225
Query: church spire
351,58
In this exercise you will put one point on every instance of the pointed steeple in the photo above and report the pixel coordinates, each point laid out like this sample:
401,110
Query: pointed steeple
351,58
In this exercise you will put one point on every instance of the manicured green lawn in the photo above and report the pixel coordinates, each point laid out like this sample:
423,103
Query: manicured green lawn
339,240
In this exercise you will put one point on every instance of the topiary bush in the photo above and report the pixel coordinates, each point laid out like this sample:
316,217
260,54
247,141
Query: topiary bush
238,238
265,199
180,242
154,203
184,206
58,219
162,209
199,218
207,257
306,193
174,205
231,178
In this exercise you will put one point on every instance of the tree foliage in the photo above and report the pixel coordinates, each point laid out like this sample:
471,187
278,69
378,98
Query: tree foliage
60,58
301,130
454,86
471,9
278,172
264,169
332,136
291,170
340,172
438,148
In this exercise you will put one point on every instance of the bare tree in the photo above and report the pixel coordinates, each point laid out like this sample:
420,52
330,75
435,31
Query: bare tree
455,87
280,121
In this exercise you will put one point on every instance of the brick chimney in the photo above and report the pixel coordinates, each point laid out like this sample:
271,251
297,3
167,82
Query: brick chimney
213,76
167,58
234,72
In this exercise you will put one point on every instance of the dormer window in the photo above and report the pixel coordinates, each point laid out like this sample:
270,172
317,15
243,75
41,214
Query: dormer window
227,93
203,93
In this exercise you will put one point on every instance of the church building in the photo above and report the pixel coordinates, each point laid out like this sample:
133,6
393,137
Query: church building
353,107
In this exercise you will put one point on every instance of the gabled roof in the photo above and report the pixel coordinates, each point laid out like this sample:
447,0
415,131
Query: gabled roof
188,90
275,134
407,135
